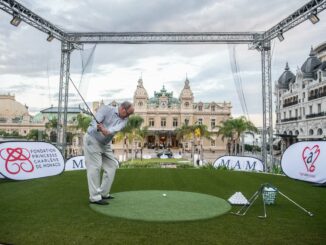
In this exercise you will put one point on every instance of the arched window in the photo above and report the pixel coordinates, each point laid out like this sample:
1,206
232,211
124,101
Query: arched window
296,132
319,131
311,132
186,104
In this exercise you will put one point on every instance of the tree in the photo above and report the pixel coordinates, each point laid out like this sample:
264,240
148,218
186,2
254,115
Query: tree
131,133
200,132
183,133
51,126
233,128
193,132
83,121
36,134
226,131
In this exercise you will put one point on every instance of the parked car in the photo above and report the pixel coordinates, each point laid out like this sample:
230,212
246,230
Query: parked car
167,153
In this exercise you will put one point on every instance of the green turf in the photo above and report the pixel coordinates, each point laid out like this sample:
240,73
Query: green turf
55,210
163,205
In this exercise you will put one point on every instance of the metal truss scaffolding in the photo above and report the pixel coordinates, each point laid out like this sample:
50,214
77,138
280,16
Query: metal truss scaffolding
66,49
265,50
256,40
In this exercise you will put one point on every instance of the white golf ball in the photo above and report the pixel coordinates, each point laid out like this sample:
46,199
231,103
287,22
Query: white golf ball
164,195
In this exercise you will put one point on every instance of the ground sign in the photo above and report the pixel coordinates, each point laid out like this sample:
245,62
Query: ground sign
29,160
306,161
241,163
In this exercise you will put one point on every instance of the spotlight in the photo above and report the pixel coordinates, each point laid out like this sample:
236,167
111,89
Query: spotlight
15,20
313,18
280,36
50,37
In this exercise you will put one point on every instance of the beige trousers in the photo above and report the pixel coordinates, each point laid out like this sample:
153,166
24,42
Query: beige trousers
98,156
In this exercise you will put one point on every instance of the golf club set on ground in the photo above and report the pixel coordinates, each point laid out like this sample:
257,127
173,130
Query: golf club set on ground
268,193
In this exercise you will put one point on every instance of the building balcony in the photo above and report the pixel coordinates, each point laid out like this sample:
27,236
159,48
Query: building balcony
313,115
317,95
290,103
290,119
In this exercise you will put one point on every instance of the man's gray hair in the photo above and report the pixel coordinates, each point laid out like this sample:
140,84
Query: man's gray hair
126,105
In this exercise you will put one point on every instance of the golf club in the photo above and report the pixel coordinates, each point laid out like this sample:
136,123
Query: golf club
302,208
251,201
89,110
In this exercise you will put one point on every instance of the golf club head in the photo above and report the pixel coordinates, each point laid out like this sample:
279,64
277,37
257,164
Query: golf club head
238,214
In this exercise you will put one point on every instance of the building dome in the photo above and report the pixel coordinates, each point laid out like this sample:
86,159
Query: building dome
311,65
10,108
286,78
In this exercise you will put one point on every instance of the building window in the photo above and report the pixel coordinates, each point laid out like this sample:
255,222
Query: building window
212,142
140,103
290,114
303,111
200,121
319,108
296,112
175,122
213,107
200,108
163,122
187,121
310,109
151,122
212,123
311,132
284,115
186,104
319,131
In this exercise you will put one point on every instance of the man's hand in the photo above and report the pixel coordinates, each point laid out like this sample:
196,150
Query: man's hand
102,129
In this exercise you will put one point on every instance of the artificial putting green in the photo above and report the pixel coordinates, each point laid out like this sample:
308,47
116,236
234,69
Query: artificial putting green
162,205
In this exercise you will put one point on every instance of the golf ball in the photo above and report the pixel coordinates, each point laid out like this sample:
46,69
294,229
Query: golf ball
164,195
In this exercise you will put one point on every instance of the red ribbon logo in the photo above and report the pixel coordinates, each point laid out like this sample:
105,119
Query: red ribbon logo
309,156
16,159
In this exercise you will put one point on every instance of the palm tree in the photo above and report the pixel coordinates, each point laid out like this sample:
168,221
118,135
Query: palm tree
143,132
234,128
183,133
226,131
193,132
201,132
131,132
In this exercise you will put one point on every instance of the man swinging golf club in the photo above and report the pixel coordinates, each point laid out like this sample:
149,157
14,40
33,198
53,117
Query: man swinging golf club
98,152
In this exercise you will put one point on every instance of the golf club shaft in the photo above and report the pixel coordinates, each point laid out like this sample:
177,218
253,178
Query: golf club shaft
302,208
83,100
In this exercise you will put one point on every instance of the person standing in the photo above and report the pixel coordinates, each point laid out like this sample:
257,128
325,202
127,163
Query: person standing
98,151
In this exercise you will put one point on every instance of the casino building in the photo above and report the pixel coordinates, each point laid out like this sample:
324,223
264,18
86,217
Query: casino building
301,100
163,113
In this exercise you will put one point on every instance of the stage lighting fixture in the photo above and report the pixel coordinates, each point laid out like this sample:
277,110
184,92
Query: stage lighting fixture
50,37
313,18
15,20
280,36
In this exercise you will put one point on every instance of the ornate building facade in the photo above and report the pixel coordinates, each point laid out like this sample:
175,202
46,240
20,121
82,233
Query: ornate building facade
301,100
164,113
16,120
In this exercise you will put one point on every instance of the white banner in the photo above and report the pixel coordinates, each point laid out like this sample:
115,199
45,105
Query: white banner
29,160
239,163
306,161
75,163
